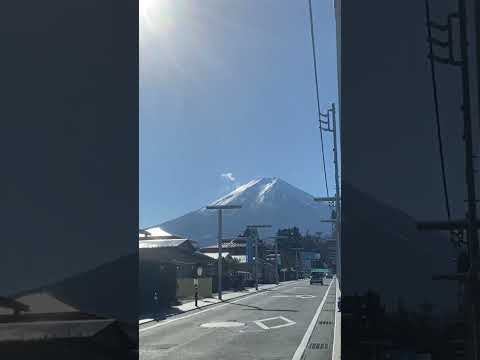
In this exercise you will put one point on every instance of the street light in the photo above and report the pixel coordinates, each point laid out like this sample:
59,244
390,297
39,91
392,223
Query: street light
276,238
256,249
220,208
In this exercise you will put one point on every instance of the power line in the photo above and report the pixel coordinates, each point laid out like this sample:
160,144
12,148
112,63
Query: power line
316,88
437,112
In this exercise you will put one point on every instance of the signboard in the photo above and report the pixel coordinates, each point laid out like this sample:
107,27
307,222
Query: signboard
320,270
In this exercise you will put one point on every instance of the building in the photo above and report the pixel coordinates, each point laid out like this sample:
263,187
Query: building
40,323
168,266
236,248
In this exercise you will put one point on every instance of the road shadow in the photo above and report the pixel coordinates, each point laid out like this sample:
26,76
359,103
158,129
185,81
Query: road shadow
164,313
257,308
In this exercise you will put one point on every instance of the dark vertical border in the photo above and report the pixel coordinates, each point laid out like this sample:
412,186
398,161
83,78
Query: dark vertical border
69,145
392,182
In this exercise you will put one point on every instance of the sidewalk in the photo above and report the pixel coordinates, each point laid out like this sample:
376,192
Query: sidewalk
226,295
337,339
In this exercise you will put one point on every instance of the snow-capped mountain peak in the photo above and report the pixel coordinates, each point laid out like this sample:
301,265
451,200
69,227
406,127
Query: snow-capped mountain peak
237,193
264,200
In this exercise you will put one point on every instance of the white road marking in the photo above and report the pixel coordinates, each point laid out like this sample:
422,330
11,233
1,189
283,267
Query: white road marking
287,322
166,322
250,331
222,324
336,352
303,344
261,324
305,296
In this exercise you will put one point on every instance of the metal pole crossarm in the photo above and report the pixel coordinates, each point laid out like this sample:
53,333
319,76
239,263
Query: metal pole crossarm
445,225
329,221
442,44
223,207
446,61
458,277
437,26
329,198
258,226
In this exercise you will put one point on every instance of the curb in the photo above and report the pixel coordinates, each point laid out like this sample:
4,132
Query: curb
220,302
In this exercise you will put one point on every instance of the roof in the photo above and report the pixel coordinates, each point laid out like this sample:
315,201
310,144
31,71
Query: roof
52,329
45,303
214,255
240,258
161,243
157,232
320,270
170,251
225,245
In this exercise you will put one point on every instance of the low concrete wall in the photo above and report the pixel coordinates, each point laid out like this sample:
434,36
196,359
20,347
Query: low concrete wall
186,288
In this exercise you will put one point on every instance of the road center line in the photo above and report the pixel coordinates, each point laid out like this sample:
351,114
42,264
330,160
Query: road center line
303,344
165,322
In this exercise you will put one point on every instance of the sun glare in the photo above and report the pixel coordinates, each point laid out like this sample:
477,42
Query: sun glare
154,14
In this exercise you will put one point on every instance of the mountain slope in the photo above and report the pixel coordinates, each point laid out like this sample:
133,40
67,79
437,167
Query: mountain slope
264,201
103,291
382,250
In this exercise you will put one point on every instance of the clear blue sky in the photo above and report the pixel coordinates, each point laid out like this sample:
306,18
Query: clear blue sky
228,87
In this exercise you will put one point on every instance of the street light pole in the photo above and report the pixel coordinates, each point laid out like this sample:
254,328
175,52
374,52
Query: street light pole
256,249
276,238
276,261
220,259
296,260
220,224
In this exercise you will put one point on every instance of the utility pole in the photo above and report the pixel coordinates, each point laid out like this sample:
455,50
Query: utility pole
276,238
472,230
329,129
326,125
296,260
470,225
337,194
477,46
256,249
220,208
276,260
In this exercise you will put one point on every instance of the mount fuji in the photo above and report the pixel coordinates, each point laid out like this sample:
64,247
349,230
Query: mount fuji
264,201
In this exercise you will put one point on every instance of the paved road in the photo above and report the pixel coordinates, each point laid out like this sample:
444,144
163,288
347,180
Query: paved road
266,325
